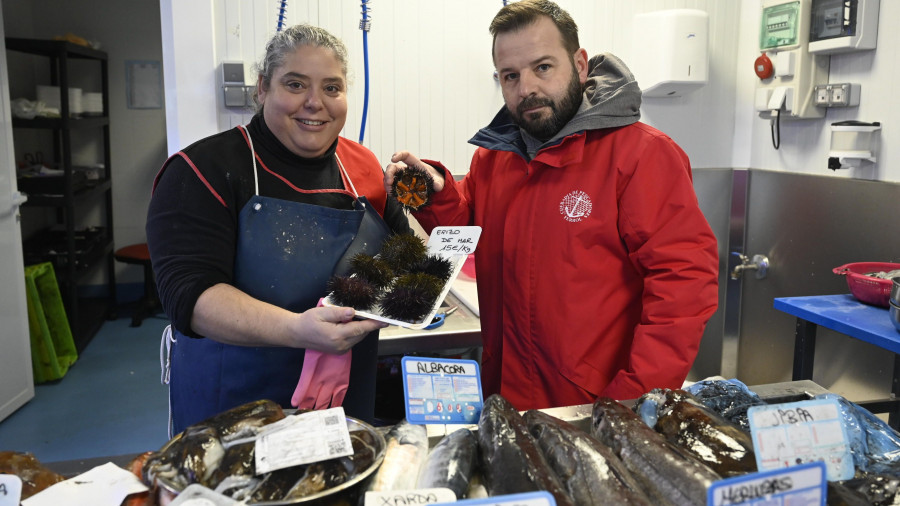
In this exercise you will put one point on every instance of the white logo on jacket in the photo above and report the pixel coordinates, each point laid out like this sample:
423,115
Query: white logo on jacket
575,206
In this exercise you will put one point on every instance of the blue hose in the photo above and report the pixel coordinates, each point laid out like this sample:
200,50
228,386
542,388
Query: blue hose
364,25
282,8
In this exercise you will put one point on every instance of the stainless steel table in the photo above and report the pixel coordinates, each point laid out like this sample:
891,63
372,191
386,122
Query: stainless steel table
461,330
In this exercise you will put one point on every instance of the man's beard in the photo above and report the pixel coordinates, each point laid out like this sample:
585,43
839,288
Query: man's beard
560,113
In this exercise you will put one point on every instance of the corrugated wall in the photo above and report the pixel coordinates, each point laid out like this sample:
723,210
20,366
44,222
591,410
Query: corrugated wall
431,72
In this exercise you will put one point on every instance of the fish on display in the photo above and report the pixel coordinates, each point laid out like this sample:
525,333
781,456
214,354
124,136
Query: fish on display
191,458
877,489
511,460
591,472
729,398
667,474
451,463
200,455
700,431
404,455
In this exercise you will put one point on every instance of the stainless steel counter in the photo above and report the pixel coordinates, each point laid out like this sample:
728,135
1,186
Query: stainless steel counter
461,330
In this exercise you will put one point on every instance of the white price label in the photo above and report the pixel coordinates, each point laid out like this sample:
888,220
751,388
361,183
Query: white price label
410,497
10,490
449,241
789,434
302,439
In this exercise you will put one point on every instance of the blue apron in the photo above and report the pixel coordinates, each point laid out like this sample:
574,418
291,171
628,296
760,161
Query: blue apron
286,253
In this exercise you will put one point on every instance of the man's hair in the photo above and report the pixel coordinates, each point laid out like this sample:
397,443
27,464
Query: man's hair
518,15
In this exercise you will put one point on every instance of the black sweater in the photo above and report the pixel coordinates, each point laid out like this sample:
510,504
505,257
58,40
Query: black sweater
193,237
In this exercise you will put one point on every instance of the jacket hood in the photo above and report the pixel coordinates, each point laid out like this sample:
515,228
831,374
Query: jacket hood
612,98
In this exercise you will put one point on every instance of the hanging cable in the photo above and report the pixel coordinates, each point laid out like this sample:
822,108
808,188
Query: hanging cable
365,24
775,125
282,8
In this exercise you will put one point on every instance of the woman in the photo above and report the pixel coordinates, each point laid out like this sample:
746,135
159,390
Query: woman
245,228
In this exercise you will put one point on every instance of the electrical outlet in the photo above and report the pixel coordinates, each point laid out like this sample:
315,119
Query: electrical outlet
838,95
822,95
843,95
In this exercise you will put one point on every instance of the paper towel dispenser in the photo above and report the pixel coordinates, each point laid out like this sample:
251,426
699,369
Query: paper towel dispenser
670,52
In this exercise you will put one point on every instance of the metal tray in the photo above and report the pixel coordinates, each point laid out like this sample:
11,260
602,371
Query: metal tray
348,490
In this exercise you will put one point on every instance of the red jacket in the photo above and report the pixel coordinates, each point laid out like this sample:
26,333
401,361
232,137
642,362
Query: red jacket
596,269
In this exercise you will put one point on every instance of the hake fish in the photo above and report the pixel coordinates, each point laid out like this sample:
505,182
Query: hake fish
451,463
703,433
591,472
666,473
405,452
511,460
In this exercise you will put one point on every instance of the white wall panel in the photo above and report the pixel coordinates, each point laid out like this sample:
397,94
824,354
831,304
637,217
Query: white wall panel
805,143
431,87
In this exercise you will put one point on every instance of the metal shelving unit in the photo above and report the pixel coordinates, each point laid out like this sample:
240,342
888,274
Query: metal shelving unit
78,259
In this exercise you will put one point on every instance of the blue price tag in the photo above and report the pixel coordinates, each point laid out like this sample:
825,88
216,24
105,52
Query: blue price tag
795,433
441,390
803,485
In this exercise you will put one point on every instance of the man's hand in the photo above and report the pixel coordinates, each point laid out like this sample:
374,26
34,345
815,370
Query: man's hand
403,159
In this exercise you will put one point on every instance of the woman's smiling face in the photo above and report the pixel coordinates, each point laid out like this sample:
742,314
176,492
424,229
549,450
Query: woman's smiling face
305,105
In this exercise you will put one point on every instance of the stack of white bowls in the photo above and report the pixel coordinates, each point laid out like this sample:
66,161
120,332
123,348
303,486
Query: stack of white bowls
92,104
50,96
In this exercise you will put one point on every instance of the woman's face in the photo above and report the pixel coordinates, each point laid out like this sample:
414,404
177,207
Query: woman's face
305,105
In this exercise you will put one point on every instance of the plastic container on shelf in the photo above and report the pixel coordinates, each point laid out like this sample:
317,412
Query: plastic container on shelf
864,285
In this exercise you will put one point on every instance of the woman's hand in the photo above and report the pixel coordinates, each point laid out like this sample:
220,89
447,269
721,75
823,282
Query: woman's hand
332,329
228,315
403,159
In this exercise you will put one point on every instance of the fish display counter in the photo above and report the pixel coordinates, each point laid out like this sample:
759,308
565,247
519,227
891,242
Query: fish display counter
608,452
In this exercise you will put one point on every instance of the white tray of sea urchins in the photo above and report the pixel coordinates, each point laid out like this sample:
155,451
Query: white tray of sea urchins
405,282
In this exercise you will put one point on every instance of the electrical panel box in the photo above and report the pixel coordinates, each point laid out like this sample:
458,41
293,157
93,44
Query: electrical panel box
780,26
842,26
788,73
236,93
233,73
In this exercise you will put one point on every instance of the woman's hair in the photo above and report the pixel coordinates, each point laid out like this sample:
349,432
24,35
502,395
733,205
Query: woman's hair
516,16
289,40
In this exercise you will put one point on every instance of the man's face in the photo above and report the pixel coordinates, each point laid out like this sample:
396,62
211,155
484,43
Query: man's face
541,82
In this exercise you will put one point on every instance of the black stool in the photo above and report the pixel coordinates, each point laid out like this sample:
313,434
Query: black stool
139,254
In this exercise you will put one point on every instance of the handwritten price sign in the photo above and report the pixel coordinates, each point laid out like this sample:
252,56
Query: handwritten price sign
449,241
789,434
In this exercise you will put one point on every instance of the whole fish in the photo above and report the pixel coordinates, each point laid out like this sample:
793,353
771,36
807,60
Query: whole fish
666,473
511,460
591,472
451,463
405,452
703,433
877,489
195,455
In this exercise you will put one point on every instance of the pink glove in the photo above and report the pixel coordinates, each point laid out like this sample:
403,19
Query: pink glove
323,380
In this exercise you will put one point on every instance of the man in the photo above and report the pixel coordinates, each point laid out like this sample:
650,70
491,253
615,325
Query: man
597,271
